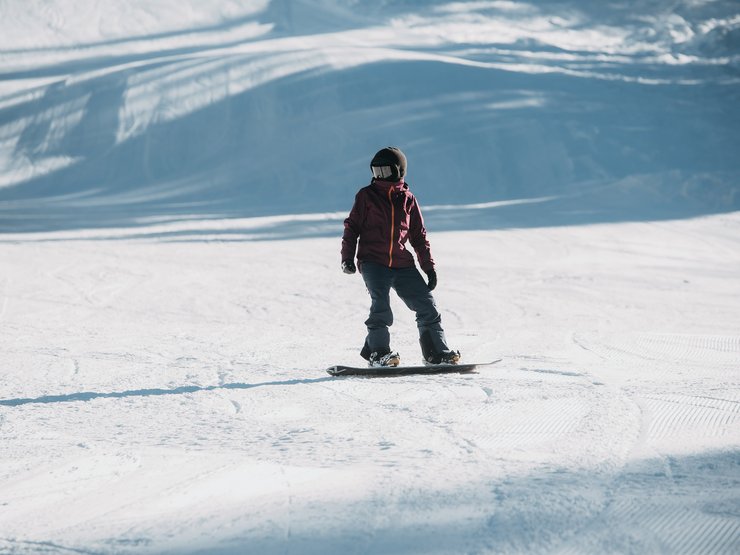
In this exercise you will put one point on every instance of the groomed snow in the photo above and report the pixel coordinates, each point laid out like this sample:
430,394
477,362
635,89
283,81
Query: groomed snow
169,396
173,180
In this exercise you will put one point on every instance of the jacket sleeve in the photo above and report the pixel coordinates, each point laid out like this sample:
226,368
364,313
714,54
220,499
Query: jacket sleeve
418,238
352,227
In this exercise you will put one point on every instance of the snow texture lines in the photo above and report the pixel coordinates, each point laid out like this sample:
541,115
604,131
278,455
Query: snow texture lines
674,528
527,424
681,504
675,416
666,353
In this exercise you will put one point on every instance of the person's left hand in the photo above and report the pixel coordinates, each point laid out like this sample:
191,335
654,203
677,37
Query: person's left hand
432,283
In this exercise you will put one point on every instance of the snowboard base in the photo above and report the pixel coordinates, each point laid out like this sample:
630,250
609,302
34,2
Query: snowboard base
380,371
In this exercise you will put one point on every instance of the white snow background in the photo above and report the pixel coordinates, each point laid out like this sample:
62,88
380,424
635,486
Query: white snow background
173,180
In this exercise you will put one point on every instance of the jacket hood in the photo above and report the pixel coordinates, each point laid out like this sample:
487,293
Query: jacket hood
384,185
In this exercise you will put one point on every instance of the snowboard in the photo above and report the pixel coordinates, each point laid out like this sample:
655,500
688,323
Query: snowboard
380,371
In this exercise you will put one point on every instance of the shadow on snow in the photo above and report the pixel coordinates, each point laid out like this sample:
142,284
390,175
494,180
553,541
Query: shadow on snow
600,149
90,395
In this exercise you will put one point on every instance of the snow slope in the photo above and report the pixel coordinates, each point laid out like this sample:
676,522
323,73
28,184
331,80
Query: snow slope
169,397
233,109
173,179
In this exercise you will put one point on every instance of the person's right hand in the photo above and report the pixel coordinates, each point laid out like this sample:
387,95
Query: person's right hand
432,275
348,267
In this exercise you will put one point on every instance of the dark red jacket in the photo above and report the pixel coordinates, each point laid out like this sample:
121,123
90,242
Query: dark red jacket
384,217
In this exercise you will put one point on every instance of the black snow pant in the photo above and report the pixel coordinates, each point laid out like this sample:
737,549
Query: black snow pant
413,291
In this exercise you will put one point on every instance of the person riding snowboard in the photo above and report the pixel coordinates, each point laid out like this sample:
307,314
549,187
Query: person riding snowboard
384,217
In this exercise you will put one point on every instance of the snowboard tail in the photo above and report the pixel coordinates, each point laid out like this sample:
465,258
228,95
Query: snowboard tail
379,371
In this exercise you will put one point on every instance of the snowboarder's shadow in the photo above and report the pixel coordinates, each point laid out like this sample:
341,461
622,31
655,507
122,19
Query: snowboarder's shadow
90,395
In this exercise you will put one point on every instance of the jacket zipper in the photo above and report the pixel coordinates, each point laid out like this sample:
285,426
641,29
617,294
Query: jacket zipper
393,227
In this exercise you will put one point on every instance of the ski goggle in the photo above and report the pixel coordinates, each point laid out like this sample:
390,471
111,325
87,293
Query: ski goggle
381,172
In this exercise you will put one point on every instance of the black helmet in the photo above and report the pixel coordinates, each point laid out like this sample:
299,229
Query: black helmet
387,163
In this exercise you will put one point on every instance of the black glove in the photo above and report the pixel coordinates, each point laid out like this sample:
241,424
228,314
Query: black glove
348,267
432,275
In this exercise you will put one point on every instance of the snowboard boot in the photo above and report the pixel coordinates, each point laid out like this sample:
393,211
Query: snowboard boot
384,359
445,357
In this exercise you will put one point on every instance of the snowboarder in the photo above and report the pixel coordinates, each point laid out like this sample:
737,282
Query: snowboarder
386,215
